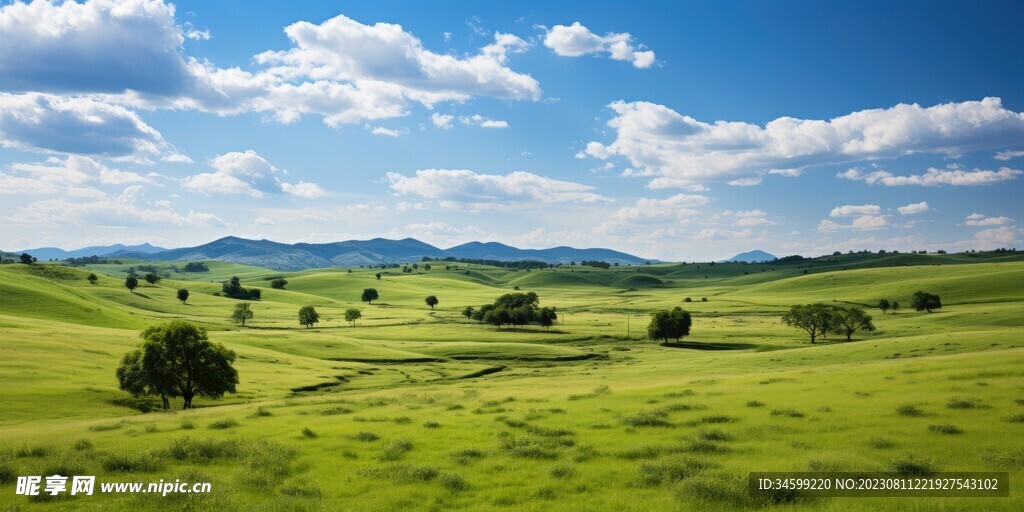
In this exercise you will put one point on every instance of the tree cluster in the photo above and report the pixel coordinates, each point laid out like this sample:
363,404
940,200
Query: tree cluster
514,310
196,266
596,264
820,320
178,360
672,324
924,301
517,265
234,289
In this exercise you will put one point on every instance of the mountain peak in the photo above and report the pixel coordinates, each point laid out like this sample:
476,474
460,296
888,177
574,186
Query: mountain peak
754,256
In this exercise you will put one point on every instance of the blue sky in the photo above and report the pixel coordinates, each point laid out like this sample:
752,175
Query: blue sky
672,130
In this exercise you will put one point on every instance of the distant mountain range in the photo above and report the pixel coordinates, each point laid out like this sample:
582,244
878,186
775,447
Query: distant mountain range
752,257
116,250
279,256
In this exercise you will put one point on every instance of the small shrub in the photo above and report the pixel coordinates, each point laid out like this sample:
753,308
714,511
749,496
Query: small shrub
945,429
8,473
453,482
647,419
403,420
880,443
394,449
963,403
261,413
223,424
754,403
1016,418
789,413
83,444
714,435
187,425
335,411
106,427
464,455
717,418
132,462
308,433
703,447
669,470
431,424
403,473
908,410
714,489
911,465
31,451
366,436
304,491
562,471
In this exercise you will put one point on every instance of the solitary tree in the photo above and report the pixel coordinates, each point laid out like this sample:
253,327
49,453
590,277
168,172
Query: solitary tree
241,313
178,359
278,284
92,278
378,276
924,301
884,305
131,283
468,312
26,258
153,278
431,301
308,316
851,320
183,295
895,305
369,295
351,315
674,323
816,319
546,317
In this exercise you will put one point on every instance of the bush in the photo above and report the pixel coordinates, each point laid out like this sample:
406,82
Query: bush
394,449
911,465
669,470
945,429
223,424
562,471
132,462
366,436
908,410
83,444
403,473
963,403
647,419
308,433
453,482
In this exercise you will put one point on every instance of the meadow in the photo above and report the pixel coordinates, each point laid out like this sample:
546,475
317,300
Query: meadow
416,408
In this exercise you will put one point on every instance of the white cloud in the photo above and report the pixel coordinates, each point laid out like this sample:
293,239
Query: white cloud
576,40
304,190
247,173
661,142
861,223
662,210
933,177
387,132
850,210
73,175
54,124
978,219
131,53
913,208
745,182
483,122
994,238
724,234
1008,155
467,189
442,120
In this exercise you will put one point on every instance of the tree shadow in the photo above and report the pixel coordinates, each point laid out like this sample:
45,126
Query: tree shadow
143,295
693,345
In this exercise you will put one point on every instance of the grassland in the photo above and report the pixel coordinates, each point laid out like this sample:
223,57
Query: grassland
420,409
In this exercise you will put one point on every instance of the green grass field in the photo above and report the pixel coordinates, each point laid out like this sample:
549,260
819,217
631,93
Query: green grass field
421,409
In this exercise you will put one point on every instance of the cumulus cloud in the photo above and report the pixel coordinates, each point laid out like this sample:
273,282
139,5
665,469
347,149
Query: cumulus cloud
662,210
978,219
55,124
861,223
73,175
745,218
576,40
745,182
849,210
467,189
1008,155
483,122
932,177
131,53
443,121
247,173
913,208
723,234
387,132
661,142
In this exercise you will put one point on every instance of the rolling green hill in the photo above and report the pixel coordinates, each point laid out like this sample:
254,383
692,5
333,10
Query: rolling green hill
420,408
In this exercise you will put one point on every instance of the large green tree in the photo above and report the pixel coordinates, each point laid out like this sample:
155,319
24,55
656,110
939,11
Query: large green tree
241,313
431,301
183,295
672,324
178,359
131,283
851,320
308,316
369,295
351,315
817,320
924,301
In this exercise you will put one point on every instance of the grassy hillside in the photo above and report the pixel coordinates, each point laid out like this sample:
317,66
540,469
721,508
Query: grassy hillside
422,409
